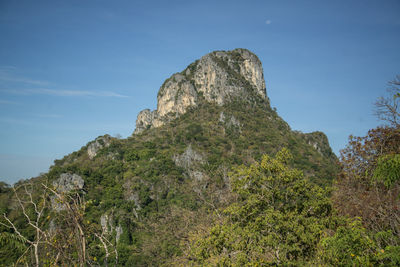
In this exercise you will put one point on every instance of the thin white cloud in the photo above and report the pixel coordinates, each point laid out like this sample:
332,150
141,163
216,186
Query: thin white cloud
268,22
6,76
55,92
28,120
74,93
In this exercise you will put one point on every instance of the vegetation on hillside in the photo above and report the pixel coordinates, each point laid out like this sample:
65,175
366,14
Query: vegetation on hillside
137,183
220,185
278,217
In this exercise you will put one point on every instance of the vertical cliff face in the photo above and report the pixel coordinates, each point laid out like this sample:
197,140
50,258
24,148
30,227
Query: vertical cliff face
223,75
218,77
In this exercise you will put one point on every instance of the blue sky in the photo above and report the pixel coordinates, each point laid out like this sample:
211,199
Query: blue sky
73,70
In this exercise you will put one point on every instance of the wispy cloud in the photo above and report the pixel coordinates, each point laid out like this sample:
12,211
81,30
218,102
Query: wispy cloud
38,87
268,21
6,76
22,80
31,120
15,121
56,92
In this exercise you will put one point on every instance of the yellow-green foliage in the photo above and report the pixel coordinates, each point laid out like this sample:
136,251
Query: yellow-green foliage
154,201
278,218
388,169
350,245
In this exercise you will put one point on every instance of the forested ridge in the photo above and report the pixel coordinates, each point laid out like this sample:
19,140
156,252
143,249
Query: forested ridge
220,185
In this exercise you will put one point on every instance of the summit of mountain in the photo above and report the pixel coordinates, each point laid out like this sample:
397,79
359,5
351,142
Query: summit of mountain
218,77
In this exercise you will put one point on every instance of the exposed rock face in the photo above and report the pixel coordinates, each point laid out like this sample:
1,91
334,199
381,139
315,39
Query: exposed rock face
218,77
131,195
106,223
108,226
147,119
230,121
176,95
119,231
68,182
190,161
97,144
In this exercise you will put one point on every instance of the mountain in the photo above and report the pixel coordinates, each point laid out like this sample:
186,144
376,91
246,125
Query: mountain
147,192
218,77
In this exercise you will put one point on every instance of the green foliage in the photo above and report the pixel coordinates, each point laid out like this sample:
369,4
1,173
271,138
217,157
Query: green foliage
131,155
194,131
354,245
387,169
137,181
278,218
390,256
368,188
11,242
350,245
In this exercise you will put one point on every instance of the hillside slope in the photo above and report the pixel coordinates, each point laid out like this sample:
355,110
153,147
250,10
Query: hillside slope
148,191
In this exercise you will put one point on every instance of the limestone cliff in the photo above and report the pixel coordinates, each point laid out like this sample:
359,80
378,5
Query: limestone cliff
217,77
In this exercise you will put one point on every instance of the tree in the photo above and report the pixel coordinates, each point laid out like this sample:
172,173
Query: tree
277,218
387,108
34,214
50,226
369,184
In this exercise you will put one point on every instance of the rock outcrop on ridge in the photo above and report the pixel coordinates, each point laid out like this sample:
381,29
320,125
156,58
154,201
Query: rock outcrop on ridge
218,77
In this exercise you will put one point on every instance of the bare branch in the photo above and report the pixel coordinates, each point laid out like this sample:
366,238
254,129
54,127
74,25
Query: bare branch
16,230
388,108
100,237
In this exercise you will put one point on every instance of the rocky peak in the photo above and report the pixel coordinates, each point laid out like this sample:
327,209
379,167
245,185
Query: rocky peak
218,77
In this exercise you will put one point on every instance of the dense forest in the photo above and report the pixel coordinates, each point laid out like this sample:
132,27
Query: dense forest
220,185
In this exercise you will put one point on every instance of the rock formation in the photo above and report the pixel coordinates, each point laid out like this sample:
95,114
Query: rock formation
190,161
64,184
68,182
97,144
218,77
